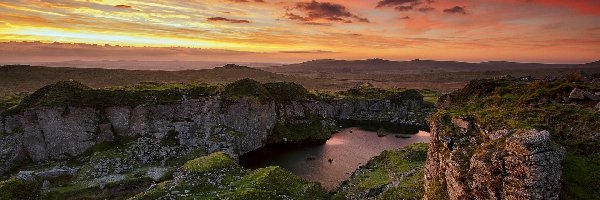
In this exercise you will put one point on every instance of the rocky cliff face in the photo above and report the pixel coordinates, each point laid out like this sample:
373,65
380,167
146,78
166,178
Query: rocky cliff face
68,140
212,123
506,164
514,139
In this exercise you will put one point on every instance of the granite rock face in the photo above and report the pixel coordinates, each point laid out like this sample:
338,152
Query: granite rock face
211,123
466,162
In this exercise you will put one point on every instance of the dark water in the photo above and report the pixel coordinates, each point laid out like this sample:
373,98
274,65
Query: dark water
348,149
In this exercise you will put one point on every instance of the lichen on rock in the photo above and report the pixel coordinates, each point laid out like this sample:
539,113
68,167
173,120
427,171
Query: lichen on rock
507,139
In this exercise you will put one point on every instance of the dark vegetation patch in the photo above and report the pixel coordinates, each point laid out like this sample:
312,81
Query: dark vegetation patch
14,188
368,91
312,126
382,125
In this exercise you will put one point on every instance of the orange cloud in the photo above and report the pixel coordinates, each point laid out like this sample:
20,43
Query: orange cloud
309,29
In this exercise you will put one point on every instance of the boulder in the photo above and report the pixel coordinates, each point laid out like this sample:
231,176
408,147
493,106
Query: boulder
27,176
583,94
56,173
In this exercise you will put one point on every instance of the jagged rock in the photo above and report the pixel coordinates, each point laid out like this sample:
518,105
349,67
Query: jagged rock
11,152
56,173
506,77
464,124
504,165
157,173
598,106
106,134
27,176
533,166
577,94
45,185
583,94
499,134
527,78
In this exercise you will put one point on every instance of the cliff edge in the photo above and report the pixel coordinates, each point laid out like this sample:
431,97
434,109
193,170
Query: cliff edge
516,139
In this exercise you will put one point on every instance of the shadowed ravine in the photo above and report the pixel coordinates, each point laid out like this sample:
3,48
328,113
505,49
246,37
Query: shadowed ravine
348,149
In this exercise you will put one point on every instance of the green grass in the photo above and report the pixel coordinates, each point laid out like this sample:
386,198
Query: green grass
538,105
403,165
280,181
217,176
581,177
208,163
14,188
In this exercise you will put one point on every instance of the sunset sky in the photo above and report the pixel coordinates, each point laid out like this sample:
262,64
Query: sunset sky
553,31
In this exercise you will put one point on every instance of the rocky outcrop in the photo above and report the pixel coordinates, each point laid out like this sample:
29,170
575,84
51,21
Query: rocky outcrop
583,94
235,126
466,162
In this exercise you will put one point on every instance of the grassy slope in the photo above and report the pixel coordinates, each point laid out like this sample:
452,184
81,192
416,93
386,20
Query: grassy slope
500,104
217,176
401,168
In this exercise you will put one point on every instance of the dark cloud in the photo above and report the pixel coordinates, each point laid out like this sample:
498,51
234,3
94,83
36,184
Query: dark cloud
223,19
407,5
394,3
322,11
317,24
426,9
404,8
456,10
245,1
122,6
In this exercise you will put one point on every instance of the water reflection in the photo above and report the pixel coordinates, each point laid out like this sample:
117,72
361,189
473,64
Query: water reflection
332,162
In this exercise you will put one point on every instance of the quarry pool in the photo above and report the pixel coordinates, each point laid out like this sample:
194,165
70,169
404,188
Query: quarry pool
334,161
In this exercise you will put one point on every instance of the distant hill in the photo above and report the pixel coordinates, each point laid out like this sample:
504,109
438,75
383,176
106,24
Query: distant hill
19,78
443,76
380,66
148,65
593,64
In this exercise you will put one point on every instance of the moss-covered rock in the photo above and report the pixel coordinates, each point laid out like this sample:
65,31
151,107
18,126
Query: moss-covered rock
394,174
246,88
213,161
217,176
489,111
307,129
14,188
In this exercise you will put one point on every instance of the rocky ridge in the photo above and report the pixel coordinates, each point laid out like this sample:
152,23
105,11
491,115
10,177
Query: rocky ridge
515,139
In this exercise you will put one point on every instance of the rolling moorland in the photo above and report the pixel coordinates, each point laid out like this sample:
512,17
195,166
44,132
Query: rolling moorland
444,76
502,138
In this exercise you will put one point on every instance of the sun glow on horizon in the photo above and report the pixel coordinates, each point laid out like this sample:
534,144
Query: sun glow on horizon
475,31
